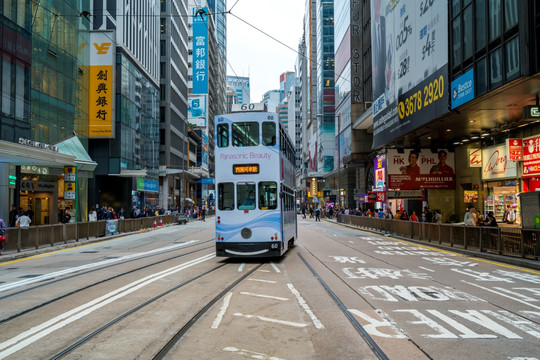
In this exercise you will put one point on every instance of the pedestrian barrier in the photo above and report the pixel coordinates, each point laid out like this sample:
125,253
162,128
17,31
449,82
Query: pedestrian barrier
504,241
49,235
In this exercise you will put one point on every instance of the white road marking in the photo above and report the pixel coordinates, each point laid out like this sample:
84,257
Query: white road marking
219,317
266,271
264,296
55,274
38,332
252,354
305,306
373,325
425,268
501,294
277,321
352,242
241,267
264,281
275,267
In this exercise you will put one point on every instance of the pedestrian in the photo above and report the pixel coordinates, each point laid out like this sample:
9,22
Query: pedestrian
437,218
414,217
511,218
13,215
2,235
318,214
389,214
92,215
66,216
311,212
470,217
203,213
30,212
122,213
24,220
490,221
505,214
304,211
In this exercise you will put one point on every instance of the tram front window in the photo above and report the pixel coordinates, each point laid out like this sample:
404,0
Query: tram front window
245,134
223,135
245,194
267,195
269,133
225,196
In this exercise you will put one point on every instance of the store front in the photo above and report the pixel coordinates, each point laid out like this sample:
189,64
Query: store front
500,182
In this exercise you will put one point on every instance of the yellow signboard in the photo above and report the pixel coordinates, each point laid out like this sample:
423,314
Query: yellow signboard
101,86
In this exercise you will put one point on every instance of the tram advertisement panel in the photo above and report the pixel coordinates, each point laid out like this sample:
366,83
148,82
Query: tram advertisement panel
420,169
410,65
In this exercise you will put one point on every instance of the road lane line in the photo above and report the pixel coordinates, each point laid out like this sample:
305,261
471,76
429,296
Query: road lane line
501,294
425,268
275,267
9,286
222,310
277,321
264,296
264,281
305,306
36,333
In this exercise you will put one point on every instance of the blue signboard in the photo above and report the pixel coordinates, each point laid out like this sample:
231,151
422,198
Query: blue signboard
200,51
462,89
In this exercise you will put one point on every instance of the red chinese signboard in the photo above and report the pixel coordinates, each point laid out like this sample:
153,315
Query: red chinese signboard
515,149
531,156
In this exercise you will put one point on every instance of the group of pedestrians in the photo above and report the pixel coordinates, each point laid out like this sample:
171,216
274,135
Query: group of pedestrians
473,217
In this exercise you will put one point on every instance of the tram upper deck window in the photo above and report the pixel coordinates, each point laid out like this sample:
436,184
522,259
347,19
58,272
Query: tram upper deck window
269,133
223,135
245,134
225,196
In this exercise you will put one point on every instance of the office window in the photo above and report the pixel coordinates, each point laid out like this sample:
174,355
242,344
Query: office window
456,41
480,24
468,32
495,62
456,7
494,19
481,77
511,50
510,14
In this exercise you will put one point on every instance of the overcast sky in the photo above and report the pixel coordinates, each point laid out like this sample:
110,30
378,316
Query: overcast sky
251,53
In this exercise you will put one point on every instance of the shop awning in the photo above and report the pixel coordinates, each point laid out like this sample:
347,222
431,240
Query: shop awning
73,146
19,154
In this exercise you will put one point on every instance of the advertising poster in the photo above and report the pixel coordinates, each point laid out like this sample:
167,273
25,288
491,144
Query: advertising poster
410,65
101,85
496,163
462,89
200,51
421,169
197,110
531,156
379,165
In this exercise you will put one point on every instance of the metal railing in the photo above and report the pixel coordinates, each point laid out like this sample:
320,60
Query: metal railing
49,235
497,240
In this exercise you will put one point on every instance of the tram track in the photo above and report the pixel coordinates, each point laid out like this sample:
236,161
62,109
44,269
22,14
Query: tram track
169,344
97,283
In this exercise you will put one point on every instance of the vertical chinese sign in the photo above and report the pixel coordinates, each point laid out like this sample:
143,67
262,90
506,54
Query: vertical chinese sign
101,85
71,190
200,51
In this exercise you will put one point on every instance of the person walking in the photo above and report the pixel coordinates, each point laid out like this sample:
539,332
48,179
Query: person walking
24,222
304,211
2,234
203,213
13,215
470,217
318,214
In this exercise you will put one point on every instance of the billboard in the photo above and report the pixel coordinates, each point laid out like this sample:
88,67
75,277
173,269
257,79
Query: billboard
531,156
200,51
496,163
462,89
101,85
197,110
410,65
420,169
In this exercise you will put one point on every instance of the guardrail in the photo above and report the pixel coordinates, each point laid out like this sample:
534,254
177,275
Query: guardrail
49,235
497,240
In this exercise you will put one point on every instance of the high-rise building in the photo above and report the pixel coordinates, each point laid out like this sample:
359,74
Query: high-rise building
128,153
271,99
173,126
240,85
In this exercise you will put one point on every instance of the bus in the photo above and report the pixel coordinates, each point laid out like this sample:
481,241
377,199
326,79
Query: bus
255,184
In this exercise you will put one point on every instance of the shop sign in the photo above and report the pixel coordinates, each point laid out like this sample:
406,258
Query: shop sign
531,112
470,196
12,180
379,163
462,89
531,156
362,198
37,144
45,186
313,187
33,169
475,157
515,149
405,194
371,197
147,185
496,165
380,196
421,169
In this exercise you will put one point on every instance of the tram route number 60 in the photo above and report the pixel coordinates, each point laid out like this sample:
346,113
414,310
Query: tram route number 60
274,246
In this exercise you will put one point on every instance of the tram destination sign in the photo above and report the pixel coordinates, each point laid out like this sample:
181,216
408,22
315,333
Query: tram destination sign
245,169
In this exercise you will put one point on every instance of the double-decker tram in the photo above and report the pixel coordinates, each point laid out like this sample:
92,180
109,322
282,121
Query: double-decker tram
255,184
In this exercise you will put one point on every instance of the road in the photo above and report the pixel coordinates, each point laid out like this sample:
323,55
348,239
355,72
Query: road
341,293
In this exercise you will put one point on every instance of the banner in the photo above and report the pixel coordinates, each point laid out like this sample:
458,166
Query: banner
197,110
531,156
410,65
200,51
496,164
101,85
420,169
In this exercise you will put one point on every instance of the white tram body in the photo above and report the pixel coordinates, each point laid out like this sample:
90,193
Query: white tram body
255,184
